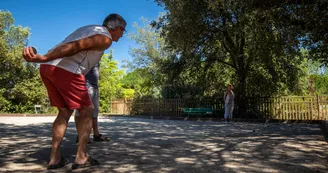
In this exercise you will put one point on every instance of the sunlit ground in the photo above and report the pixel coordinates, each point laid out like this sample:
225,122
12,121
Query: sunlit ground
147,145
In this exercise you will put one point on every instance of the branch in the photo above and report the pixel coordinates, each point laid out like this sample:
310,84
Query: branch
242,43
227,35
231,54
248,62
223,62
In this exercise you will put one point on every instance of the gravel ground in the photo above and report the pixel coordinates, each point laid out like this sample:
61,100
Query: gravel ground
149,145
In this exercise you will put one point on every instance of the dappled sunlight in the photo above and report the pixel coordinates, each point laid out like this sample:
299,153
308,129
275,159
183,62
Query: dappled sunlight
23,121
26,166
101,119
186,160
141,123
126,168
149,145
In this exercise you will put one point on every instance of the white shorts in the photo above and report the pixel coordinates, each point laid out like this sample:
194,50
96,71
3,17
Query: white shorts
94,96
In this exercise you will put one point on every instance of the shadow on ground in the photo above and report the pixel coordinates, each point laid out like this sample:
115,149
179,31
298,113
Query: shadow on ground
146,145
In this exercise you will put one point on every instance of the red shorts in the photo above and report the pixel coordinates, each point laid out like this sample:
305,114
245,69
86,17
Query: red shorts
65,89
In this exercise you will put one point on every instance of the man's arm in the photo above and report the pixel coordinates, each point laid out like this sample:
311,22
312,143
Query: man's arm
97,42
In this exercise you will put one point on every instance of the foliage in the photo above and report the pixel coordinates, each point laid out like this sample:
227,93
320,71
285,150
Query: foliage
141,82
20,84
145,71
317,77
199,46
262,53
152,73
109,85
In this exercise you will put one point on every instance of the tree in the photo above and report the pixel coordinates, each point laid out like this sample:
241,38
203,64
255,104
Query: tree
20,84
152,73
237,35
140,81
305,19
317,75
109,85
145,71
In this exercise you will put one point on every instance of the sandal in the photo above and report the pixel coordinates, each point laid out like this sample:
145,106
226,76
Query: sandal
60,164
88,163
100,137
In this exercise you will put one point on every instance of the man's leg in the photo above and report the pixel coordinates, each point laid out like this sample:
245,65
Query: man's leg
96,135
95,126
95,101
76,119
84,125
58,131
93,94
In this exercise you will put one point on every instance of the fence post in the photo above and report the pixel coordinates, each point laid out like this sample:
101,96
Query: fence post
124,101
159,107
283,105
272,107
318,106
111,105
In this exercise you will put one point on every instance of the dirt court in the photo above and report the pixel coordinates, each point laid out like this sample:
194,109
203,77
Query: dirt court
150,145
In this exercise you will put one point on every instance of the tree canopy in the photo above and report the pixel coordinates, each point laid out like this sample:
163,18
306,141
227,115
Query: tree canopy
20,85
237,35
194,50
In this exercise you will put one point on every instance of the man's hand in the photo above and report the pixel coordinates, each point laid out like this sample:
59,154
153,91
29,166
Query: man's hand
30,56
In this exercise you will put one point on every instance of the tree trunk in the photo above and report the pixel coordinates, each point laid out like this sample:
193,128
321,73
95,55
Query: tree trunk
241,97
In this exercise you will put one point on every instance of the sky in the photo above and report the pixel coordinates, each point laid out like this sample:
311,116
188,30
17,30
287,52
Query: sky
51,21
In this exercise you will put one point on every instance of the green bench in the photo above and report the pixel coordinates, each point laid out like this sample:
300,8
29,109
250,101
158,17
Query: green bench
197,111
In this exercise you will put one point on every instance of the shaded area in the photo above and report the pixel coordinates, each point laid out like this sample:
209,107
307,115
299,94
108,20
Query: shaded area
147,145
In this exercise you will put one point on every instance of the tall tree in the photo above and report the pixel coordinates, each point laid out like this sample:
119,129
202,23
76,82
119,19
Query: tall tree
235,34
148,60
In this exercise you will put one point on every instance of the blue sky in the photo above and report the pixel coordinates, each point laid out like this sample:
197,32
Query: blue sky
51,21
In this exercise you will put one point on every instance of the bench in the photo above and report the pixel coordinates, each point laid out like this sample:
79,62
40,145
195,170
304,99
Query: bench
197,111
37,109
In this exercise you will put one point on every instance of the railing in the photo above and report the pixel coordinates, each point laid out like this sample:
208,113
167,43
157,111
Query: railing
283,108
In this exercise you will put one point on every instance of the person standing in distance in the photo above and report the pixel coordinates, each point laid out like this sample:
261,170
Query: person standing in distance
62,72
229,102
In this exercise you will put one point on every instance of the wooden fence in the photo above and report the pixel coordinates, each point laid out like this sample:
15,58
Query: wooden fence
121,106
282,108
301,108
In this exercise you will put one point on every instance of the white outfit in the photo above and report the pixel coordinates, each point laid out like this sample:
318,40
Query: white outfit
82,62
228,104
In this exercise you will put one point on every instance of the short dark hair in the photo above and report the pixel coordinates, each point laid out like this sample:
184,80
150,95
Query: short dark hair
113,21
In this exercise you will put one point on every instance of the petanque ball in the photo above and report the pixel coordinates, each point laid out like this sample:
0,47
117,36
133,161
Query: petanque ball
34,50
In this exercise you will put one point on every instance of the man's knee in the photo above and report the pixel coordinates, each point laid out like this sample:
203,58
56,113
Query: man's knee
90,108
65,112
86,110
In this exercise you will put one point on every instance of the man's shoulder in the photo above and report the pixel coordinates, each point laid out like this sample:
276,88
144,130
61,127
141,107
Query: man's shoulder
92,28
87,31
